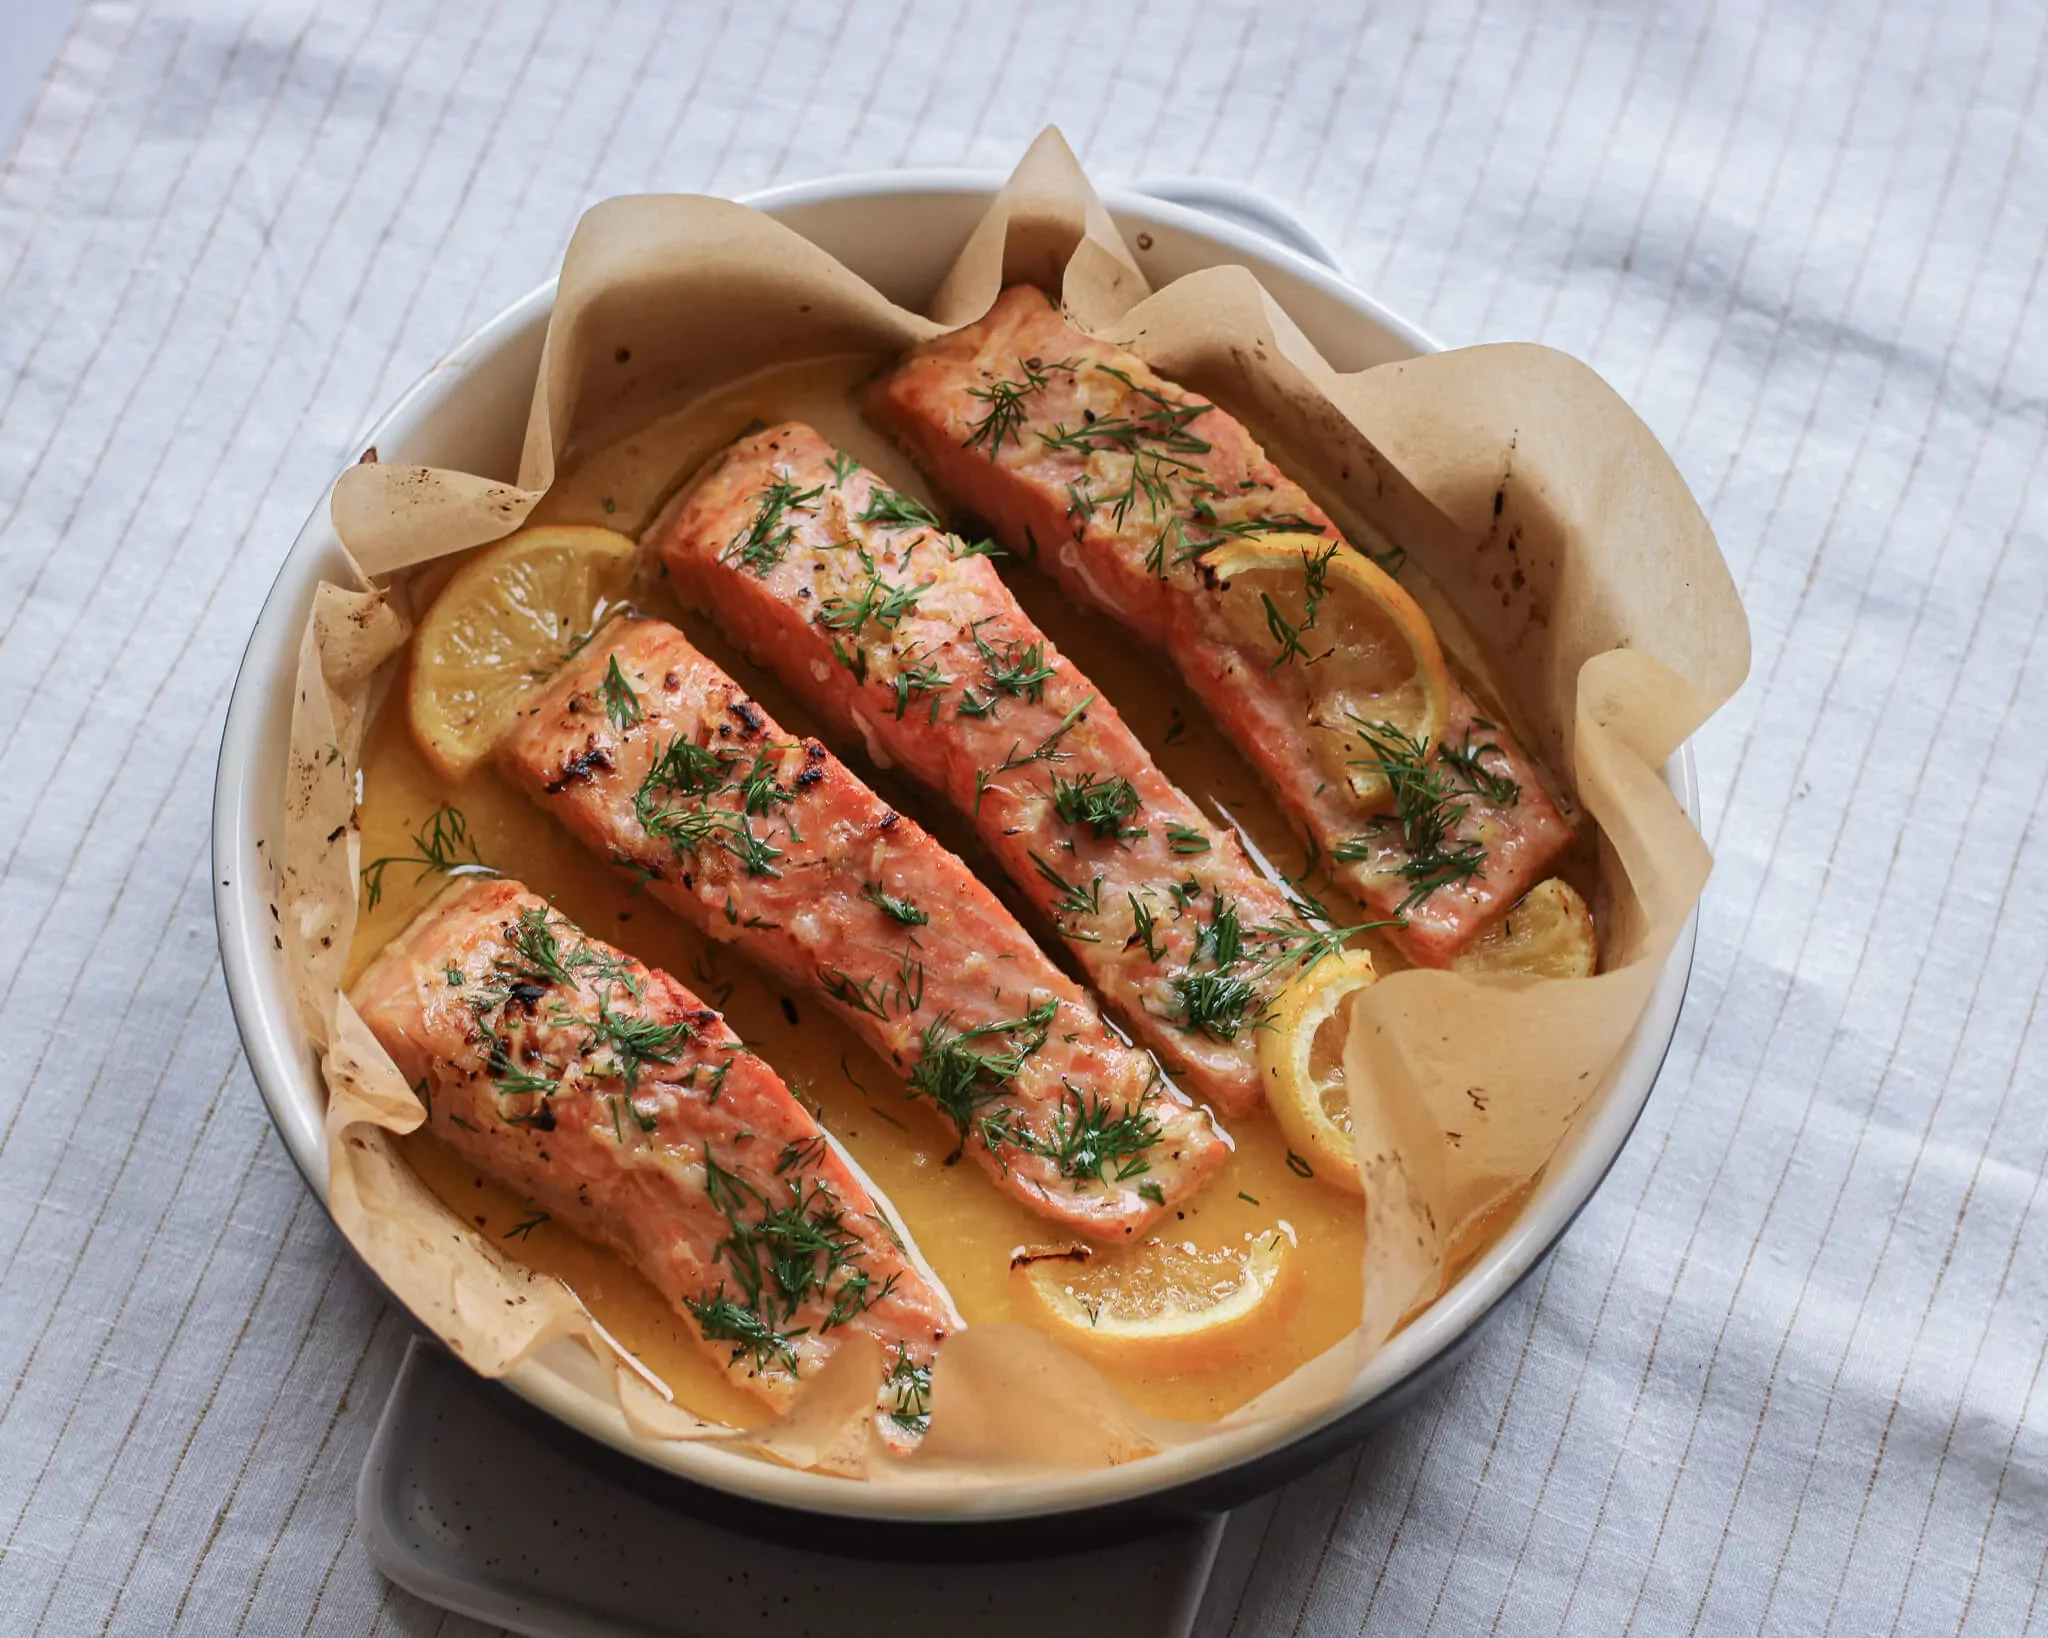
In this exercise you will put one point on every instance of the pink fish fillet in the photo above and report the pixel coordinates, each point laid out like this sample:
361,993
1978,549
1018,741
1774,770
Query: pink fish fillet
624,1107
1118,482
655,758
908,641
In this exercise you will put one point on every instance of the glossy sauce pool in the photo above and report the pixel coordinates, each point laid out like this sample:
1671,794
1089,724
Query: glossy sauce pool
963,1226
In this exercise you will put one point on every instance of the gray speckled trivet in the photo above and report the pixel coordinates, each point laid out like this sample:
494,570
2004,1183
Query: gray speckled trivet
463,1505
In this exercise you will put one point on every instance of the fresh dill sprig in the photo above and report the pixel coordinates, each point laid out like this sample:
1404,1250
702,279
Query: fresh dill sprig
1089,1140
636,1042
438,845
1427,812
897,910
1047,750
879,601
862,995
803,1154
1308,936
1221,942
895,510
916,678
526,1225
961,1070
759,790
621,704
519,1083
1315,582
1464,761
684,769
1213,1003
1104,804
1005,398
1070,900
541,958
842,466
766,540
720,1319
1158,420
1019,670
1144,929
1286,635
910,1386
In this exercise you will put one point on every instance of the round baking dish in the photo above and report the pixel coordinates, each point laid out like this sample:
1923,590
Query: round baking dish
900,231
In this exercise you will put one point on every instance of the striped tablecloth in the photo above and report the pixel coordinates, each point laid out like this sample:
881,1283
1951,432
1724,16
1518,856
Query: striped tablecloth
1787,1369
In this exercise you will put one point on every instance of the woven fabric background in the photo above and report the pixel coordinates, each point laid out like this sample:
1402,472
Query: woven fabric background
1787,1369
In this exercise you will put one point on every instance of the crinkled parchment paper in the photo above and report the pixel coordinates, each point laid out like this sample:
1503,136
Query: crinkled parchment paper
1563,557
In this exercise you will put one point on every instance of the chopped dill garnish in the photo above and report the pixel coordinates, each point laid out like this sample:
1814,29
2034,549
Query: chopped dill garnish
842,465
914,679
1159,420
636,1042
1103,804
1019,670
1089,1140
517,1083
1143,929
878,601
899,910
1426,813
621,704
782,1256
1287,636
1214,1004
895,510
910,1384
438,845
1315,582
688,770
720,1319
1221,943
1070,900
960,1070
1463,761
1005,398
1152,1192
862,995
526,1225
1047,751
802,1155
763,544
1186,839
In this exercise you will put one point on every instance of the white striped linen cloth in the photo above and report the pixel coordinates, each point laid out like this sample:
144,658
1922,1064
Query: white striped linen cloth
1785,1372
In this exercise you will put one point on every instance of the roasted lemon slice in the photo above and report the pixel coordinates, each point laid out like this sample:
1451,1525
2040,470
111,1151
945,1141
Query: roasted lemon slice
1548,934
1366,654
1301,1063
505,620
1161,1305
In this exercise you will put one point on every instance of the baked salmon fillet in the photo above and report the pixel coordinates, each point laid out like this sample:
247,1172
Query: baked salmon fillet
626,1108
1118,482
654,757
906,639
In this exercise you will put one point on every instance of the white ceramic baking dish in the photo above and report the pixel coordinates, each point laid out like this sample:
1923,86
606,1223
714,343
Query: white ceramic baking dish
900,231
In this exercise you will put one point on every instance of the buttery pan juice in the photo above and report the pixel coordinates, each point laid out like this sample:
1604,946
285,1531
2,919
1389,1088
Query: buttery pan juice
963,1225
